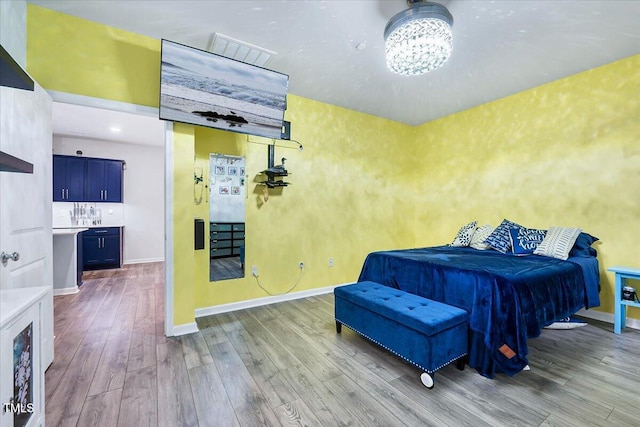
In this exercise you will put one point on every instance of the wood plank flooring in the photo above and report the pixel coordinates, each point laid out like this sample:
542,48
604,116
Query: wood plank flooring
225,268
284,364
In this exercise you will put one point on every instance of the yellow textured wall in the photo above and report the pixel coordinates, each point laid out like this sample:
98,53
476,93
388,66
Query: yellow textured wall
351,193
563,154
184,267
73,55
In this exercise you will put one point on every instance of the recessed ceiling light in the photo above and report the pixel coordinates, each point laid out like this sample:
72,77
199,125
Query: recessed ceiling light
115,129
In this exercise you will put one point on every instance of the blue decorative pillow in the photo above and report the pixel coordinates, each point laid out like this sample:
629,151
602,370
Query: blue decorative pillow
582,247
500,239
525,240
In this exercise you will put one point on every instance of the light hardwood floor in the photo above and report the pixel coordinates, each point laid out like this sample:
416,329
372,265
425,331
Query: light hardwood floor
284,364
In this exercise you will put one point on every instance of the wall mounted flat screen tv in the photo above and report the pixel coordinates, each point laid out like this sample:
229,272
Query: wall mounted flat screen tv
202,88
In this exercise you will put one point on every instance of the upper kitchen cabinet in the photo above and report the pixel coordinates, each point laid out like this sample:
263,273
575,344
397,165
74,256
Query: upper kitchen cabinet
84,179
103,181
68,178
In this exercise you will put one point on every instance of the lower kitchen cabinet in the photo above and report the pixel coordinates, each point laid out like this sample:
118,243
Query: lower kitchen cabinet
102,248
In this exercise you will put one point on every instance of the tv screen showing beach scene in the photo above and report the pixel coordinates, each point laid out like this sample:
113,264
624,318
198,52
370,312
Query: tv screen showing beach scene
202,88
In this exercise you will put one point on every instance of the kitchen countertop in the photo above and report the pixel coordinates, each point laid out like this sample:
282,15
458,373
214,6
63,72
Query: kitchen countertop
14,301
84,227
71,230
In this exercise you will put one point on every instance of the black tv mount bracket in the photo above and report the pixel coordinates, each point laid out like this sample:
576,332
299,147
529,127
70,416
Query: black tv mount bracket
286,134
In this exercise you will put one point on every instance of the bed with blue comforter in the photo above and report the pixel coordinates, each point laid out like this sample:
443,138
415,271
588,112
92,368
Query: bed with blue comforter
509,298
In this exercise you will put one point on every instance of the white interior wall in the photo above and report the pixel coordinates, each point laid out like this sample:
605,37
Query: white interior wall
13,30
143,192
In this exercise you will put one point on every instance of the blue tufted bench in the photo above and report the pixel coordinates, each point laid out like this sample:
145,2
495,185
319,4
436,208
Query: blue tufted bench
427,333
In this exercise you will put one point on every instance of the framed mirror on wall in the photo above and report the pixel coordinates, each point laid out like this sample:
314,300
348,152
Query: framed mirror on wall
227,194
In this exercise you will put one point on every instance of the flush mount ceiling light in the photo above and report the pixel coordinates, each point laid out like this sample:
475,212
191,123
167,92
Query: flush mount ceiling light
418,39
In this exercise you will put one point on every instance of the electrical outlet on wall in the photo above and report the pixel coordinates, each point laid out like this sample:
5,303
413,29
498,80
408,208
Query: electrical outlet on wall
330,262
254,270
301,265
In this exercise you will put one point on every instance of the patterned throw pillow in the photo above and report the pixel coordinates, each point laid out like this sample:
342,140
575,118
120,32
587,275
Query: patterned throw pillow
499,239
463,238
479,236
558,242
525,240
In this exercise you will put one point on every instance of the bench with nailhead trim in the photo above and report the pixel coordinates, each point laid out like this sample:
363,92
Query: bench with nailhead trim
426,333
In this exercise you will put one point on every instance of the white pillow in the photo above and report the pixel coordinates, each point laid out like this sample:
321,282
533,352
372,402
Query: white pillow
463,238
479,236
558,242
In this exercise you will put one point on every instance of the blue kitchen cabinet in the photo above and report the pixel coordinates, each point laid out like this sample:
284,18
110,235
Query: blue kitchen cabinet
83,179
103,181
101,248
68,178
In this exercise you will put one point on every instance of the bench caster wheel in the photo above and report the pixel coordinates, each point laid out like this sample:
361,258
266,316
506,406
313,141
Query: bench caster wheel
427,380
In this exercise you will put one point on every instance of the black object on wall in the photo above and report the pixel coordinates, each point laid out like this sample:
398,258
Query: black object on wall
198,234
11,74
286,130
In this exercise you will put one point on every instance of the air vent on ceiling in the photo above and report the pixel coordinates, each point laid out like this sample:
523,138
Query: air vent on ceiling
236,49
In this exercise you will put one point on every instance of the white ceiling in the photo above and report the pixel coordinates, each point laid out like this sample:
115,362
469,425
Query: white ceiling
500,47
82,122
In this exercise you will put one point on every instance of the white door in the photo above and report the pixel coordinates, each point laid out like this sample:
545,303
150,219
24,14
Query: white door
25,199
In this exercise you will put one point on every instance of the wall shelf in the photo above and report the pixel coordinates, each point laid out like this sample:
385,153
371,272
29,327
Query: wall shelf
12,74
9,163
275,172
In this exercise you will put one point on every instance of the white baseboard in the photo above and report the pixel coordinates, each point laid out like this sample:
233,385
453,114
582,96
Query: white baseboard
607,317
226,308
65,291
187,328
142,261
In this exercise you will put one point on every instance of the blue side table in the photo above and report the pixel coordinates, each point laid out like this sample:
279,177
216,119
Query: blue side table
622,274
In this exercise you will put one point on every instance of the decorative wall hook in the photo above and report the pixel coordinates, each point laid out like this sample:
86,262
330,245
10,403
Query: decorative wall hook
198,186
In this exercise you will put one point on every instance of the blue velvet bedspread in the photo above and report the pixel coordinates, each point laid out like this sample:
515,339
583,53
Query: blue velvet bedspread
509,298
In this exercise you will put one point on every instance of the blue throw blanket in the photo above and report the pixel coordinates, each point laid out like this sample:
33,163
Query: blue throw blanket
509,298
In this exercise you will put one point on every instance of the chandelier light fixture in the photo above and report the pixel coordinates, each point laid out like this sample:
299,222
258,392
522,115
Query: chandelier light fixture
418,39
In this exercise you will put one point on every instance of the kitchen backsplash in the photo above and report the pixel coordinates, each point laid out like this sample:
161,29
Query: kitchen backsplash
85,214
